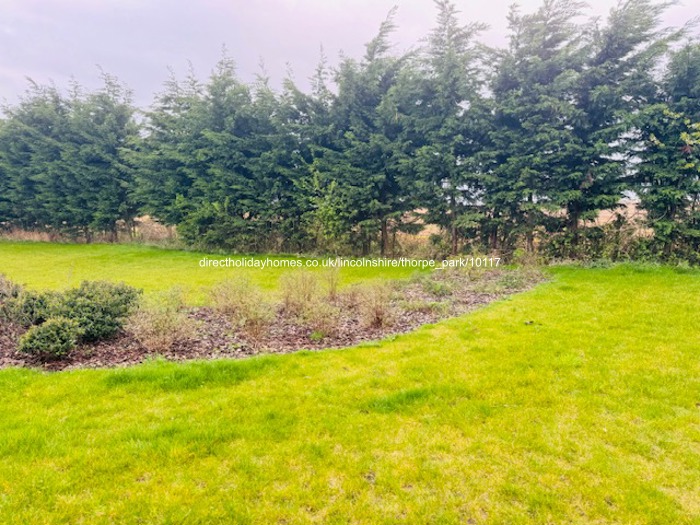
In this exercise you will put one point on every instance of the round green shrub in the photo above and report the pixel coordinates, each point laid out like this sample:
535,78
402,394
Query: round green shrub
99,307
28,308
51,340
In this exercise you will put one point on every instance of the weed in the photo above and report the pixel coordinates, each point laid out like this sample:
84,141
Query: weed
331,280
438,288
422,306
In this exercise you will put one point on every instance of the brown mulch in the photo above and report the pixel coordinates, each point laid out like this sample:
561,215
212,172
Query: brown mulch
217,338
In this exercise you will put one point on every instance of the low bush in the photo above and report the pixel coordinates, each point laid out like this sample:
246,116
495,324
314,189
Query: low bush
437,287
8,289
374,303
426,307
323,318
234,297
245,304
161,321
349,298
256,321
99,307
28,308
512,281
51,340
299,289
331,280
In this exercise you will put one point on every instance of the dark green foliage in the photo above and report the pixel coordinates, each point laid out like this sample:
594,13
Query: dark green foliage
62,160
57,321
100,308
372,148
534,134
28,308
447,123
503,150
53,339
669,181
668,176
616,81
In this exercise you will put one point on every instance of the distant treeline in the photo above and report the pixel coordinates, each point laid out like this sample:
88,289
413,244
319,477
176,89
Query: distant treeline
502,149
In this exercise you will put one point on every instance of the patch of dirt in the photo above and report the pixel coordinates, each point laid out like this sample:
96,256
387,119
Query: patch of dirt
414,303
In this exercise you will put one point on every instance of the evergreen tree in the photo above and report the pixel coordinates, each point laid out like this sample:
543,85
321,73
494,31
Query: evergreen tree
30,159
224,192
324,203
94,171
64,160
369,170
668,174
615,83
166,161
447,123
533,139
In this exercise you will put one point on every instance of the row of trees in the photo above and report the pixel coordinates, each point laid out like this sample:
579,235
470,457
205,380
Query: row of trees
500,148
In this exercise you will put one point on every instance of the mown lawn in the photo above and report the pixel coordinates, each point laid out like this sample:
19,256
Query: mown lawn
57,266
577,402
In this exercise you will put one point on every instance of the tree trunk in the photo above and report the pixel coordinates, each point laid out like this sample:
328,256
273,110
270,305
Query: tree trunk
573,226
493,240
455,243
385,238
668,244
453,225
530,234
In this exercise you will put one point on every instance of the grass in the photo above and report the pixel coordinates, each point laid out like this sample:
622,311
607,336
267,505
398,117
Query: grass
57,266
577,402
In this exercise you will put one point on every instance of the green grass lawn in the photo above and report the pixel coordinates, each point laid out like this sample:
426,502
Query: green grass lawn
577,402
57,266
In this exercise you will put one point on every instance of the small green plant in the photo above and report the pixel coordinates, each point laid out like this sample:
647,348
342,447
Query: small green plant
28,308
53,339
317,336
511,281
99,307
437,288
423,306
161,321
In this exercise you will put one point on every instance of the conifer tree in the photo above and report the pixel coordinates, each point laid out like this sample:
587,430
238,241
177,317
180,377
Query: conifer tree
668,174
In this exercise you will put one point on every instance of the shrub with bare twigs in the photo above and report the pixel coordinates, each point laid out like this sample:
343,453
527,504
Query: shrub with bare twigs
161,321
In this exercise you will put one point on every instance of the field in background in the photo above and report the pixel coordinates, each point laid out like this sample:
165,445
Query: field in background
576,402
57,266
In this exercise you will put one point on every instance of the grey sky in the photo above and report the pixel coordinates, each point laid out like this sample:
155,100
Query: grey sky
138,39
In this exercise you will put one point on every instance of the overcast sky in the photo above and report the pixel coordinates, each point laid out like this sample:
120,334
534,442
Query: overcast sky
137,40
